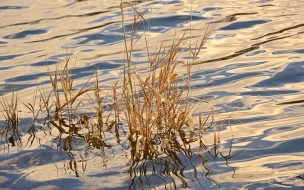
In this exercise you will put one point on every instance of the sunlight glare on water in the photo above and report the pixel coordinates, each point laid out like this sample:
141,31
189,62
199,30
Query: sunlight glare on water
252,66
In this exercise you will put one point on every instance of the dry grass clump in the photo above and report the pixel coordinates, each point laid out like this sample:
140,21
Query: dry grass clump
65,77
157,101
67,118
10,130
154,105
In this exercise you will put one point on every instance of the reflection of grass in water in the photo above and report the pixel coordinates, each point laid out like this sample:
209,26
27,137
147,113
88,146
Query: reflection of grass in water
156,109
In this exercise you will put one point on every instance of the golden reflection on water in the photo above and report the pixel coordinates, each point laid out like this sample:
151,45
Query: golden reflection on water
234,75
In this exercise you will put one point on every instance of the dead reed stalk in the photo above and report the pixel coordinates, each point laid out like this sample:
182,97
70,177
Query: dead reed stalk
158,103
10,129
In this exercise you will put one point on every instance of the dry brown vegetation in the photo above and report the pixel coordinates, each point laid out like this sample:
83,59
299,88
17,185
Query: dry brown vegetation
154,105
157,102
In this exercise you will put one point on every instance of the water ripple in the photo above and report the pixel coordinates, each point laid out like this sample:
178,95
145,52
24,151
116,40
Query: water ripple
251,66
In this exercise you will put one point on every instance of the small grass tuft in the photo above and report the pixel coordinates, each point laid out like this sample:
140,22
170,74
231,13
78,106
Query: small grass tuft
10,130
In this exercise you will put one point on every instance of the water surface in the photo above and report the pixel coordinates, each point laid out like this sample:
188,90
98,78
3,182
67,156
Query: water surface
252,65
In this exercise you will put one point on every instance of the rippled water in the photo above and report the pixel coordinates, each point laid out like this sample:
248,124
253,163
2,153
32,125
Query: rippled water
252,65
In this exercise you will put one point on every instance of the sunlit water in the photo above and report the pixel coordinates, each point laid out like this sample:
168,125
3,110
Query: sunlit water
252,66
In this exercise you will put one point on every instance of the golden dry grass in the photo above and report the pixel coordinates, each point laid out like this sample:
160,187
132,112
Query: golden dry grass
153,105
10,131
